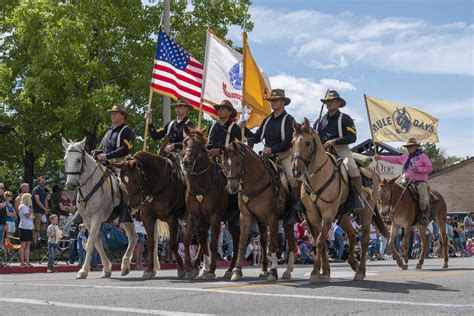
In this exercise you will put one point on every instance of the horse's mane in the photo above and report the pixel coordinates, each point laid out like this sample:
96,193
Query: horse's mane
148,160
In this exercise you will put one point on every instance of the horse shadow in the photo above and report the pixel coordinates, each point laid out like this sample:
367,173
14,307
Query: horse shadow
377,286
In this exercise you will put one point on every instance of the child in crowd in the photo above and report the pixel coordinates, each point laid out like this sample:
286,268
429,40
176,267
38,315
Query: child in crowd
54,234
469,249
25,228
81,243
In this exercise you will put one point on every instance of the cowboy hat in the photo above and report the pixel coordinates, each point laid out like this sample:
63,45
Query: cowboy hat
278,94
411,142
228,105
118,108
182,102
331,95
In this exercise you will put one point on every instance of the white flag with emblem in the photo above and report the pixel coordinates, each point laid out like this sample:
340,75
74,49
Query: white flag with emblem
223,71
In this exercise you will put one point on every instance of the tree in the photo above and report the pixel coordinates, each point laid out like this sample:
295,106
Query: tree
438,157
63,63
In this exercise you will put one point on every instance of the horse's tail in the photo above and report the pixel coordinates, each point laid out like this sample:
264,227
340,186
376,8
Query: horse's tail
378,221
162,229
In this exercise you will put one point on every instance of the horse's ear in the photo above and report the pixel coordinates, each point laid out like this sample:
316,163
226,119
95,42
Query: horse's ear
390,181
118,165
306,124
82,143
65,143
235,145
296,126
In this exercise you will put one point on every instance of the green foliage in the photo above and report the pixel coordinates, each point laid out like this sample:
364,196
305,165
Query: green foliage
439,158
63,64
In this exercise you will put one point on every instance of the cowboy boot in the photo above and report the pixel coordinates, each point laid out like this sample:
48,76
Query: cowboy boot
355,201
425,219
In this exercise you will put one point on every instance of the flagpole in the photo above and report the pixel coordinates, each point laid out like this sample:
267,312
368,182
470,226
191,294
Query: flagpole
206,57
145,137
372,133
244,40
321,112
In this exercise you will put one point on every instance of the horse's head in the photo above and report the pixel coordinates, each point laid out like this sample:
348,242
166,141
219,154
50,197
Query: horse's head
131,173
73,162
231,157
194,148
304,147
386,191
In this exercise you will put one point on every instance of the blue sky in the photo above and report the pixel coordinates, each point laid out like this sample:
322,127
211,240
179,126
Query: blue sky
417,52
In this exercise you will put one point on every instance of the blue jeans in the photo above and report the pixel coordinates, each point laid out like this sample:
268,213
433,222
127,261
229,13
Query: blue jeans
52,248
339,243
82,256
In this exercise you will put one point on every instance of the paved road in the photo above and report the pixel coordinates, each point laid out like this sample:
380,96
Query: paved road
386,290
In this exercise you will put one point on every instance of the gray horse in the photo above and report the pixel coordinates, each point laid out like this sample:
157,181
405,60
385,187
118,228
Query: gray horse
98,194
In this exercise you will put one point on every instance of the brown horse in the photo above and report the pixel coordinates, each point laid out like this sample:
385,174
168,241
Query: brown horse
398,202
325,188
262,198
151,182
207,203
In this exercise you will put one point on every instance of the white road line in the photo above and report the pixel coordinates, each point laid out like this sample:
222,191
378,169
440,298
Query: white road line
235,292
95,307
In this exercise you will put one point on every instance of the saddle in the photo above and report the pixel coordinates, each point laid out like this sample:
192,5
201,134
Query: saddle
277,172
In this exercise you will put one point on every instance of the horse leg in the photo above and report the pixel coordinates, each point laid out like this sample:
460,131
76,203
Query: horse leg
215,232
391,244
235,233
290,236
245,222
351,236
444,239
273,246
406,246
106,264
191,224
93,235
326,269
313,222
149,224
422,232
129,228
364,244
174,227
262,228
203,236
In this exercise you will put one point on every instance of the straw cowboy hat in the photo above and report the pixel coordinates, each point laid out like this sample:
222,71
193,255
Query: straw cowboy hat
278,94
228,105
411,142
118,108
332,94
182,102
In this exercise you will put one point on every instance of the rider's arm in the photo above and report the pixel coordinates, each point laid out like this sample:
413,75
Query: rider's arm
349,132
398,160
257,135
126,144
157,134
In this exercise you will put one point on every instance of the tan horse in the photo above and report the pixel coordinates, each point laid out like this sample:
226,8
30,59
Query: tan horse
323,191
401,208
262,198
207,203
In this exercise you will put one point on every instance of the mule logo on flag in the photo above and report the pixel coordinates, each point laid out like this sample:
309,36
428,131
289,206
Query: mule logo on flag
402,121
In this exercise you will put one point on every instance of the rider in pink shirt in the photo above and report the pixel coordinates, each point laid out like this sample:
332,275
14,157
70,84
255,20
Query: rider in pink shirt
416,167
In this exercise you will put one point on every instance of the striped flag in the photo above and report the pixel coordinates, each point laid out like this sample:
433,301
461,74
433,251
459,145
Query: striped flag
177,74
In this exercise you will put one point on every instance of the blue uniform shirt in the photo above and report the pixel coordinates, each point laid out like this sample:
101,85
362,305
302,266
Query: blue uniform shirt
218,134
176,132
328,129
110,146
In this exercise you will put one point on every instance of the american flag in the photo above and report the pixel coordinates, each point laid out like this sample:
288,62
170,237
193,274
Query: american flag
177,74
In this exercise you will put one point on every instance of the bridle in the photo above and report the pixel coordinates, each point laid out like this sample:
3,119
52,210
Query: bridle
390,208
196,159
312,150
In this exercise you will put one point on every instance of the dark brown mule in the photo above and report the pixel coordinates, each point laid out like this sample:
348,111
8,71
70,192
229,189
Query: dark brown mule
401,209
323,191
207,203
151,182
262,198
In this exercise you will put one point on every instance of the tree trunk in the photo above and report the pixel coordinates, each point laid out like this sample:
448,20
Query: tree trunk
29,159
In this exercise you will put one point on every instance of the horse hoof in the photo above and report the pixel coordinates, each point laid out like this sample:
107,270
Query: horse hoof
405,267
286,275
400,263
313,279
206,276
181,274
324,279
418,266
125,271
81,275
359,277
227,275
195,273
189,275
445,266
236,277
106,275
272,275
147,275
263,275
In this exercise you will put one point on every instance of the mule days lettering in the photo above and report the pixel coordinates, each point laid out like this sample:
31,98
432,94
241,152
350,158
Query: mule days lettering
387,121
425,126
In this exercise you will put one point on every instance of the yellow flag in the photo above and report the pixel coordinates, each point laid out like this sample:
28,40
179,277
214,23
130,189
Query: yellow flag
392,122
254,90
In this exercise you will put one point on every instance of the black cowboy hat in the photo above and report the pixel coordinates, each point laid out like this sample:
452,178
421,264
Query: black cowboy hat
227,104
278,94
182,102
118,108
332,94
